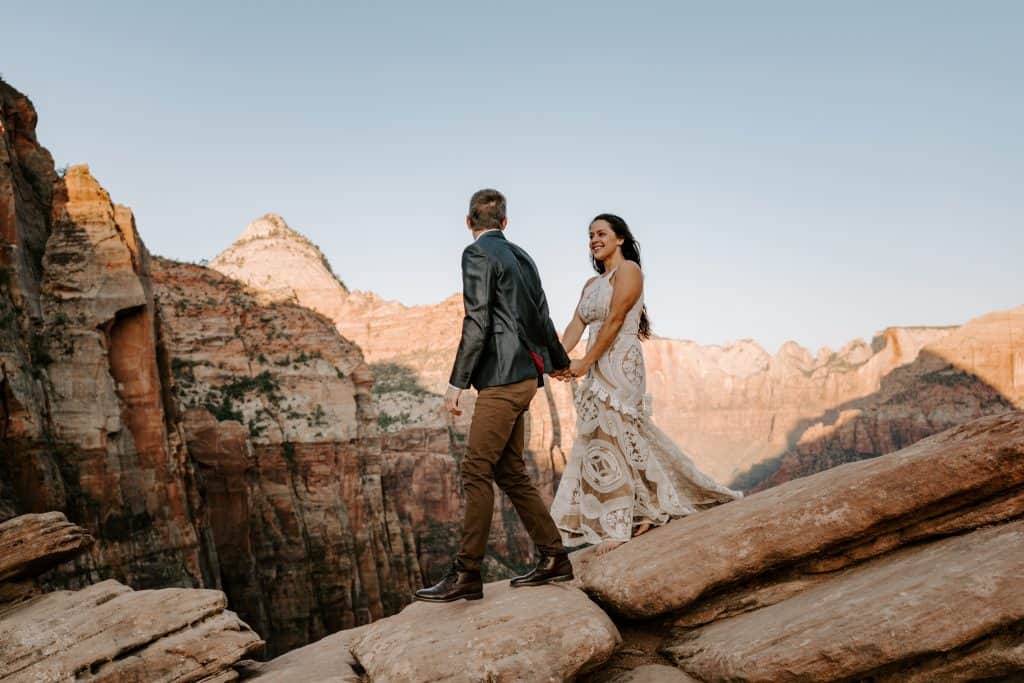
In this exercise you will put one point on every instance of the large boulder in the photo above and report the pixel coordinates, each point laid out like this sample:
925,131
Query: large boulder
545,633
30,544
953,481
921,607
116,634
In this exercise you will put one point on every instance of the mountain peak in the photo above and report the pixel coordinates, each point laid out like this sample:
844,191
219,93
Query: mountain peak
271,225
272,257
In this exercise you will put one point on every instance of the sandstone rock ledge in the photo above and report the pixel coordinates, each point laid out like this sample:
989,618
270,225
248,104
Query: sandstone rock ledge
30,544
788,537
328,660
936,602
546,633
107,631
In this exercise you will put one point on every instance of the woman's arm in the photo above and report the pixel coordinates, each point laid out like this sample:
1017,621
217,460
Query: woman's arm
627,288
574,330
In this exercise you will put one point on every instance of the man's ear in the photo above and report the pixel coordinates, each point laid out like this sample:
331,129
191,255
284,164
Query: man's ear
504,223
469,223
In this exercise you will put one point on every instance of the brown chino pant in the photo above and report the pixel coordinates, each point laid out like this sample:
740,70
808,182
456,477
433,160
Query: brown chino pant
495,454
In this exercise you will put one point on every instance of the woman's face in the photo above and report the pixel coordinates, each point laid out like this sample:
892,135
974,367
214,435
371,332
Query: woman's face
603,240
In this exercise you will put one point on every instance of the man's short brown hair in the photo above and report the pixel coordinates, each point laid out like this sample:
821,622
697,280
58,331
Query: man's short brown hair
486,209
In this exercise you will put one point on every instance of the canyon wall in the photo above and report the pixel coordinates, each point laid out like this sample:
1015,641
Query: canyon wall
204,440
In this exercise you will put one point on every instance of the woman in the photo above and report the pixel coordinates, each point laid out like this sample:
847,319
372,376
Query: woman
624,475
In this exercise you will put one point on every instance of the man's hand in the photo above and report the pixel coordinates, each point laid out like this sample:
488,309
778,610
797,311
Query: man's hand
451,400
561,375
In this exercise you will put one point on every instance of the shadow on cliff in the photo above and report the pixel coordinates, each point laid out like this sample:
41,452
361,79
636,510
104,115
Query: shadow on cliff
914,401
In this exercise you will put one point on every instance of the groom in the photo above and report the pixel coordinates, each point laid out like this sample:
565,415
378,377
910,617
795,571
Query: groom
508,342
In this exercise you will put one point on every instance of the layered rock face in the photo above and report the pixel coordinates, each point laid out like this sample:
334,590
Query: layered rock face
905,567
971,371
84,424
203,439
27,177
277,416
107,631
797,582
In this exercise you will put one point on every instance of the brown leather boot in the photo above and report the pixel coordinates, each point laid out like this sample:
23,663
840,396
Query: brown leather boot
457,584
551,568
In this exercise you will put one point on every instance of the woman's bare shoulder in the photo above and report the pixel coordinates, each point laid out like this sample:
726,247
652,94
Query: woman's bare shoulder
631,267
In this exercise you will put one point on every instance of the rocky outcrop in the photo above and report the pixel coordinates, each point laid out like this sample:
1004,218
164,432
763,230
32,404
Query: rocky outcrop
31,544
121,456
972,475
548,633
795,583
910,597
272,258
203,439
107,631
27,177
974,370
117,634
325,661
86,430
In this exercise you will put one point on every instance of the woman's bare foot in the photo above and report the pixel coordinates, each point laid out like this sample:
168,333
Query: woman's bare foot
642,529
607,546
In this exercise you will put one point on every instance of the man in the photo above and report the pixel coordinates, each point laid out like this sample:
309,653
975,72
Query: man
508,342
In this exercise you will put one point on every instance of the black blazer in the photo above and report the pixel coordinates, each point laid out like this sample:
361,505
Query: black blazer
506,318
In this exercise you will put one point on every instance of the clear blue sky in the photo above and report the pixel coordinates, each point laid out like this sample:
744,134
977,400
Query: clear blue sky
812,171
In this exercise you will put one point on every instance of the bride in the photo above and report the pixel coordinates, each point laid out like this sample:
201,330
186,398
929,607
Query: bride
624,475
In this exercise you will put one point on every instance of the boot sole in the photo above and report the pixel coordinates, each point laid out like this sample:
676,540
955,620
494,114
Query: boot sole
555,579
468,596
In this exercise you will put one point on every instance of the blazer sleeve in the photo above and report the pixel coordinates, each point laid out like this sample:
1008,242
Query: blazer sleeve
559,358
477,295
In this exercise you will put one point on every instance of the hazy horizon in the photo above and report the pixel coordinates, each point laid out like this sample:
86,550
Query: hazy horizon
793,172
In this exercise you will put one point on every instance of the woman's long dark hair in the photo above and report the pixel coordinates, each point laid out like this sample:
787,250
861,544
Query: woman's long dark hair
631,252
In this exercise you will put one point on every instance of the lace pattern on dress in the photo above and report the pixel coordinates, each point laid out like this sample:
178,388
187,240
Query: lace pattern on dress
623,471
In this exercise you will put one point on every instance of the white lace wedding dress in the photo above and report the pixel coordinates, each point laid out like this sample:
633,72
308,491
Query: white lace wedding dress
623,471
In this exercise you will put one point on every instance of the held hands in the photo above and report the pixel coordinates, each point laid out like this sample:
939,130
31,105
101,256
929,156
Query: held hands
451,400
577,368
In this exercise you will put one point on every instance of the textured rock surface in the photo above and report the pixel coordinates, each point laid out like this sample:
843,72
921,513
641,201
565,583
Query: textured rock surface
107,631
655,673
26,196
30,544
272,258
112,633
843,515
917,605
124,458
325,661
85,425
548,633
